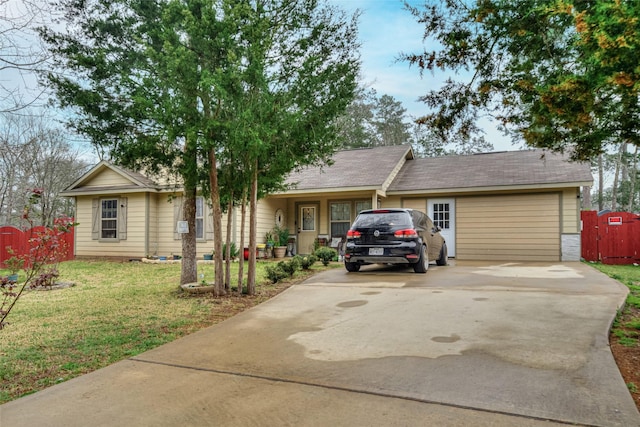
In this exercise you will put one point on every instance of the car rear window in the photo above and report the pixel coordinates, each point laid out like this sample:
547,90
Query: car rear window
378,219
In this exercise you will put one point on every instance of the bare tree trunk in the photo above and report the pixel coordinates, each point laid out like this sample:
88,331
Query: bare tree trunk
253,225
600,183
243,216
189,266
217,223
33,154
616,179
632,180
586,198
227,272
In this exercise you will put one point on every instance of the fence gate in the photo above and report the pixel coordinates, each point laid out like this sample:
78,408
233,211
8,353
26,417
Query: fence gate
612,238
18,241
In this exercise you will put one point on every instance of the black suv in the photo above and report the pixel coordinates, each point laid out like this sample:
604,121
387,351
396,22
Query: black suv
394,236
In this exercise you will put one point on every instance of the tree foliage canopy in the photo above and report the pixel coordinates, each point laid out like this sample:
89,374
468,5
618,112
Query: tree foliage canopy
372,121
559,74
146,78
223,92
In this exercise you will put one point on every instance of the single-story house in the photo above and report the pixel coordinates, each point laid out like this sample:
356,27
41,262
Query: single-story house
505,206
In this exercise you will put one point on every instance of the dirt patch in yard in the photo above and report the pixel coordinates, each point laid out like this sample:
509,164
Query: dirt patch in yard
628,356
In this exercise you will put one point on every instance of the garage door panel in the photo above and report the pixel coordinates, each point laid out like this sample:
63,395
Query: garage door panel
509,228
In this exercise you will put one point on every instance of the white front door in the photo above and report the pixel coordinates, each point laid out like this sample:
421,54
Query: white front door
443,214
307,228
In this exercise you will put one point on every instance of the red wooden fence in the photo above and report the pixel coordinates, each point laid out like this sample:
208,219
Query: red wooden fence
612,238
19,241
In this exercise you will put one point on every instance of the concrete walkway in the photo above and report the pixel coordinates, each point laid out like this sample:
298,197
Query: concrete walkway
467,344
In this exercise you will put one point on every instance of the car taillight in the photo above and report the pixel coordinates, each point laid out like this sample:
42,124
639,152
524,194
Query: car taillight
407,233
353,234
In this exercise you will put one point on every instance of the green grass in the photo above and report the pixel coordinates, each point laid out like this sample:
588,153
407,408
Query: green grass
114,311
627,325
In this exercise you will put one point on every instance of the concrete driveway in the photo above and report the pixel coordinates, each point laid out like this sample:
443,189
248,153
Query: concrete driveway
467,344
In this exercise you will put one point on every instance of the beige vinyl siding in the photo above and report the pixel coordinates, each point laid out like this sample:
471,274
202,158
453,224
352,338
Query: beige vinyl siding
152,224
508,228
571,210
133,246
417,204
108,178
84,217
167,244
392,202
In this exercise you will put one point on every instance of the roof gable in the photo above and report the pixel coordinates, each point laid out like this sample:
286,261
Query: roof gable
107,177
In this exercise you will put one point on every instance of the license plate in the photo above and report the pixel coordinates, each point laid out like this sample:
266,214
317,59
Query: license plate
376,251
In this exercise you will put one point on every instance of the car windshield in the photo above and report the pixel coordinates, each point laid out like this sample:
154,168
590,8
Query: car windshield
388,219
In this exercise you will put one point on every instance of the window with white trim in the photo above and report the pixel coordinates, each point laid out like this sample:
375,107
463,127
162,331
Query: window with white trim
199,217
340,215
109,219
362,205
340,218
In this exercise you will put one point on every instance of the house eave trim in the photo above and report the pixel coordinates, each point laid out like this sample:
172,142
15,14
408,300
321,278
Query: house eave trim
109,191
316,191
489,189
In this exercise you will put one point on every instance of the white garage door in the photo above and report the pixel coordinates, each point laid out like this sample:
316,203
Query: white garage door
508,228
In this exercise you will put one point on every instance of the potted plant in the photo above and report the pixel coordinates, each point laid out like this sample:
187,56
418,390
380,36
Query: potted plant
208,256
282,236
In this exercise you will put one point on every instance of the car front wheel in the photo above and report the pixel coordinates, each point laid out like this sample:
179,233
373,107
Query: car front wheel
423,262
352,267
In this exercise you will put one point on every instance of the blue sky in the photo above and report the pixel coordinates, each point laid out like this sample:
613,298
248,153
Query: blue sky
386,29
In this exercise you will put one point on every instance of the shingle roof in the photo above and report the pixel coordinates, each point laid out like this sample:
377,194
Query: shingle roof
367,167
509,168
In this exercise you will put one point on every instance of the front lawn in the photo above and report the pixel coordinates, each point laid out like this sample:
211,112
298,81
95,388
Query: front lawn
114,311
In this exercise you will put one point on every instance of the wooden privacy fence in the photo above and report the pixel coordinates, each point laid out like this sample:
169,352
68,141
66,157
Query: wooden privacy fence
20,242
612,238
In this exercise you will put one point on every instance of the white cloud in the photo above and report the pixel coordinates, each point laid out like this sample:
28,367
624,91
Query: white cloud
386,30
